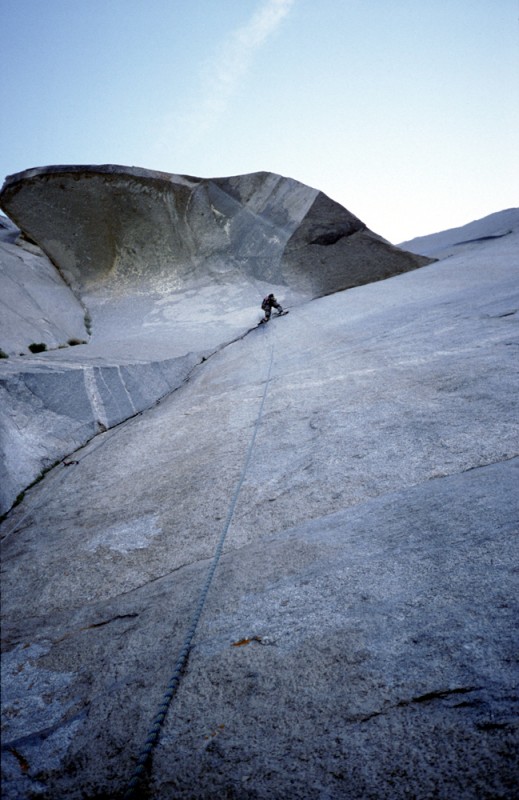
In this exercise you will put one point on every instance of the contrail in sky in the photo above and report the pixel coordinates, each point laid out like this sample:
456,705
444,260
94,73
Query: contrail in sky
221,76
239,50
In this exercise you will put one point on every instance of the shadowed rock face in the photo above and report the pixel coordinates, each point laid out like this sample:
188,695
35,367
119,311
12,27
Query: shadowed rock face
359,636
135,228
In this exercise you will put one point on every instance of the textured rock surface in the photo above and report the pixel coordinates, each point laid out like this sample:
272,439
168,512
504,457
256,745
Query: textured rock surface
164,269
466,239
136,228
36,305
358,640
52,408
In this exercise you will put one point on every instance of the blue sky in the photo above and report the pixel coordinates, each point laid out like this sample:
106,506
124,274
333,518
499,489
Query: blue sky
404,111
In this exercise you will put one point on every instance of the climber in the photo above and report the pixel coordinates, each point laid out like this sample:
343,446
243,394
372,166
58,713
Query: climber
268,304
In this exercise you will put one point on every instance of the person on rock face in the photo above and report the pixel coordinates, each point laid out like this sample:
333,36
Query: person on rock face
268,304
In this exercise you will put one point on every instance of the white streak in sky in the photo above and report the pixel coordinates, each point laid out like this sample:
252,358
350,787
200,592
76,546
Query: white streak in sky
222,77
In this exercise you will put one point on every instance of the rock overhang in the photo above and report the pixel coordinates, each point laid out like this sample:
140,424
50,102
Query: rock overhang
162,267
129,228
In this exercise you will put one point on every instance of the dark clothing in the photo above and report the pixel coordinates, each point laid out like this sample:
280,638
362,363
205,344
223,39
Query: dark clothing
268,304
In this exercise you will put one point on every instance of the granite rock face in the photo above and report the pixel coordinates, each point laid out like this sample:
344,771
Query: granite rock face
36,305
55,401
359,636
52,408
148,273
468,238
131,228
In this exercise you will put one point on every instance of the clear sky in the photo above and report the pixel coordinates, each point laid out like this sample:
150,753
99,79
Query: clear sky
404,111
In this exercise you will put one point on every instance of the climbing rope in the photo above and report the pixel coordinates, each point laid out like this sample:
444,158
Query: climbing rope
154,732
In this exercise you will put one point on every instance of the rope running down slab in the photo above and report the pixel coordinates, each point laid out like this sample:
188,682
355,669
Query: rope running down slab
154,732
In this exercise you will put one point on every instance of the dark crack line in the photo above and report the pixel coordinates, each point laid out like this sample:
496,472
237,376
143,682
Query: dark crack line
439,695
95,625
428,697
